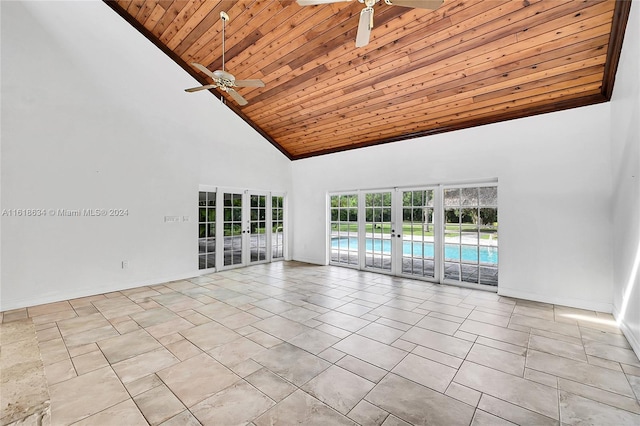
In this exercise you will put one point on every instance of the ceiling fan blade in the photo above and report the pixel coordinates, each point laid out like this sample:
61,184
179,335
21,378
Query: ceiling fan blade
197,89
417,4
236,96
316,2
364,27
249,83
204,69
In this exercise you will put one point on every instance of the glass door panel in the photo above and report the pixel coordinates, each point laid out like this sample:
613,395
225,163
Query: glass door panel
232,229
257,228
277,227
470,235
379,231
418,233
207,230
344,229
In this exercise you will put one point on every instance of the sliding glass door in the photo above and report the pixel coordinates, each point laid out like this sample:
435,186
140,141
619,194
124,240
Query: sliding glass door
443,233
250,226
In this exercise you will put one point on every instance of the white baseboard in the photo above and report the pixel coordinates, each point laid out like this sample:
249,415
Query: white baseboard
311,261
631,338
7,305
592,305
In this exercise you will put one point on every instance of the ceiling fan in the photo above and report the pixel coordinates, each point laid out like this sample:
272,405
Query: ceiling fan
223,80
366,15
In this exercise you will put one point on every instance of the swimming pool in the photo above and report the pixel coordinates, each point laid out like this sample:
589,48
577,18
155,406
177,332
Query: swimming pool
488,255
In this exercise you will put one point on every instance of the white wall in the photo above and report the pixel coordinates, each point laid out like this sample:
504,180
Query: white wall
554,185
625,142
95,116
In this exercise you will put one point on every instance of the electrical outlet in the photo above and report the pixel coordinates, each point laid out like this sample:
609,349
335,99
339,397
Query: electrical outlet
185,218
125,264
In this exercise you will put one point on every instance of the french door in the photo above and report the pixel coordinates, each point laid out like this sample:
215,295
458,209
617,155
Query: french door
443,233
249,226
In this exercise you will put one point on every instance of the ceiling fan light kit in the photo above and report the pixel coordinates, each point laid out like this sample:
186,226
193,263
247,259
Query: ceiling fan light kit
223,80
365,24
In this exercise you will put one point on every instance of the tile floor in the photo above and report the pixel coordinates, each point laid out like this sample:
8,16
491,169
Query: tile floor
289,343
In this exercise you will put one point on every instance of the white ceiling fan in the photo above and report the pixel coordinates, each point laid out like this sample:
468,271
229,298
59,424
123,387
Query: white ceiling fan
223,80
366,15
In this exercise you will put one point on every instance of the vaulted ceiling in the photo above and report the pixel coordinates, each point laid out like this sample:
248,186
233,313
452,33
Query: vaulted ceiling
467,63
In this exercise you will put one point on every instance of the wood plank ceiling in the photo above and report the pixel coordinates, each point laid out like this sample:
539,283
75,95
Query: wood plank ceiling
467,63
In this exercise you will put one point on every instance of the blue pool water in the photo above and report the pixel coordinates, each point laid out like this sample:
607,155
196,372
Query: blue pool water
451,251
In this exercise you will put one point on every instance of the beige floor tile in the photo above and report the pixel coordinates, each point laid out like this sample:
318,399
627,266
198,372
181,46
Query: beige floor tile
417,404
197,378
392,420
499,320
144,364
494,332
618,340
235,405
302,408
300,314
343,321
577,410
166,328
143,384
271,384
446,309
128,345
556,347
338,388
536,312
53,351
49,308
124,413
540,377
612,353
548,325
80,324
292,363
83,396
59,371
208,336
513,413
183,419
519,391
281,328
497,359
396,314
183,349
153,317
365,413
440,357
263,339
90,336
373,352
482,418
238,320
599,395
362,368
235,352
381,333
354,309
437,341
425,372
463,393
314,341
158,404
592,375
